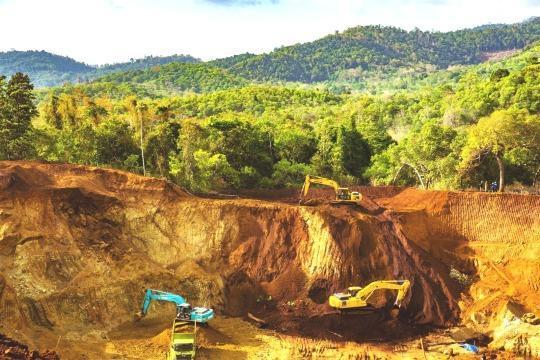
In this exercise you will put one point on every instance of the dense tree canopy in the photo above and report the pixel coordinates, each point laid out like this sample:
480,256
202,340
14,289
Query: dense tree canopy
478,123
371,47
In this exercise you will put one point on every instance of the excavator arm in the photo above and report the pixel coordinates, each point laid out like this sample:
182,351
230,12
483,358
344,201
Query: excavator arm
342,194
402,286
318,180
150,295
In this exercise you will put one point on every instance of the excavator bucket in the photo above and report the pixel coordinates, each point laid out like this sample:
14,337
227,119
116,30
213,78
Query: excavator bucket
138,316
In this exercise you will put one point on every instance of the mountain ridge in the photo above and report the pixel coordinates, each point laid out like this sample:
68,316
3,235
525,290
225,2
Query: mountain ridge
360,49
48,69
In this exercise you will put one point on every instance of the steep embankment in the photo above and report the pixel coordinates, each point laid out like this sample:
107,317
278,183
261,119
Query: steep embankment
491,241
79,245
495,237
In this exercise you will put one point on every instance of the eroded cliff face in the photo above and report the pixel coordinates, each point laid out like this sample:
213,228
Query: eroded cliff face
79,245
492,237
492,240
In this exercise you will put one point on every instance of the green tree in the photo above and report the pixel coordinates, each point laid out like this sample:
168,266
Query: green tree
161,145
287,174
242,144
428,156
17,109
74,145
296,145
214,172
51,114
342,151
353,151
183,167
502,134
115,144
95,112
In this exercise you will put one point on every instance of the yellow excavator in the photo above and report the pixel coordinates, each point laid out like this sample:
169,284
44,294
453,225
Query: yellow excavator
356,297
343,194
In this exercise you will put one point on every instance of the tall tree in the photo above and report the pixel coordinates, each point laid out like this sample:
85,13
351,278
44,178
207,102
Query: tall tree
51,113
502,134
18,109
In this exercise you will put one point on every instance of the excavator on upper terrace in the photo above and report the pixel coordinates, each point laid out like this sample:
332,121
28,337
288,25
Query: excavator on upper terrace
343,194
356,299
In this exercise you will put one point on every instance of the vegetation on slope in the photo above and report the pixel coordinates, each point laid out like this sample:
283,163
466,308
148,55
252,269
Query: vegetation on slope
352,60
178,77
44,68
482,124
372,47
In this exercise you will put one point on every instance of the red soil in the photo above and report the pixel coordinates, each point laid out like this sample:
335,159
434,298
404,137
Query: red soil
79,245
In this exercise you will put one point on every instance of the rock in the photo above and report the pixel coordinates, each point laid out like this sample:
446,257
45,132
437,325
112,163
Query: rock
478,318
531,318
513,334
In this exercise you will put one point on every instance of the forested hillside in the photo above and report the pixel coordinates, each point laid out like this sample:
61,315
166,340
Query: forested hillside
368,48
178,77
46,69
207,128
146,62
482,124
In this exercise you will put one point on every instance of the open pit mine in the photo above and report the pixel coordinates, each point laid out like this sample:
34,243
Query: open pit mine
79,246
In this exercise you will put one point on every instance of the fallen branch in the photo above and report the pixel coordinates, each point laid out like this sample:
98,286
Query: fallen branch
333,333
423,350
261,322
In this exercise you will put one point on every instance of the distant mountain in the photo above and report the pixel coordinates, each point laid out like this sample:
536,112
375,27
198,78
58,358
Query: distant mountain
366,48
46,69
178,77
352,59
146,63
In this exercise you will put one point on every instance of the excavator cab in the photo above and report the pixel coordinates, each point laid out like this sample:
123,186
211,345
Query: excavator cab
353,290
183,312
343,194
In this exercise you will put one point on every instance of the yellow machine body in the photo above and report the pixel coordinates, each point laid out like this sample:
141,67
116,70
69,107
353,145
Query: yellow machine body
357,297
343,194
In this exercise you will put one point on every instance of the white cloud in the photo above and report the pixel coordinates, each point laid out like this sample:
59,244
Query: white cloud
100,31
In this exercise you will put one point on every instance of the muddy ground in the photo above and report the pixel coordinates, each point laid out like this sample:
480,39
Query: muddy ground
78,246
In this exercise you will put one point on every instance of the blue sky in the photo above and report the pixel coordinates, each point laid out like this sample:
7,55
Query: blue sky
105,31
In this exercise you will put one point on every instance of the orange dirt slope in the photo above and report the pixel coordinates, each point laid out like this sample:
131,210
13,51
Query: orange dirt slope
78,245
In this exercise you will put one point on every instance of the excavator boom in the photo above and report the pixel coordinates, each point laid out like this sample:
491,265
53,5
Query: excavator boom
150,295
317,180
